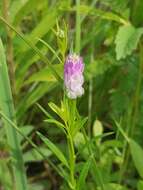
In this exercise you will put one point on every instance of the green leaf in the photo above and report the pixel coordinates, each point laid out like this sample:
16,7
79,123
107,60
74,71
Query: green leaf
33,156
51,49
127,40
57,123
46,74
61,112
83,174
54,149
137,156
44,111
114,17
55,108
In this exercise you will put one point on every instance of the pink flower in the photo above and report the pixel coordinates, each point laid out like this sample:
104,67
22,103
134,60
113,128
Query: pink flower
73,76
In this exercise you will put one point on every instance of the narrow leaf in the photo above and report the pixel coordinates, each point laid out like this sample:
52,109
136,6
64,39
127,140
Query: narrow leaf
54,149
84,174
57,123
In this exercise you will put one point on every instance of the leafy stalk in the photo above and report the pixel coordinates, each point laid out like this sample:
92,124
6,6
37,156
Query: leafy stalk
72,114
72,156
7,107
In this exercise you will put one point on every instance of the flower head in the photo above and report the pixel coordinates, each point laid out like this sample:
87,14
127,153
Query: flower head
73,76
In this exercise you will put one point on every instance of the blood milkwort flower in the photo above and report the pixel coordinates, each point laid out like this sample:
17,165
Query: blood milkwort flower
73,76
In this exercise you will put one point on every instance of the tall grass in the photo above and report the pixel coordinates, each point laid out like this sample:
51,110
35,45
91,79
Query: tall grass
7,107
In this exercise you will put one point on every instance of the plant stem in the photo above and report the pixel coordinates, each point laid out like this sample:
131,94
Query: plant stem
7,107
71,107
78,27
10,61
72,162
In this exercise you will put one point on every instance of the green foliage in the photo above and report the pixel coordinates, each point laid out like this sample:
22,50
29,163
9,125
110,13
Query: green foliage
127,40
46,75
68,144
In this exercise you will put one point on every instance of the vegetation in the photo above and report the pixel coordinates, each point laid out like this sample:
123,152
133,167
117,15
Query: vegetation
50,140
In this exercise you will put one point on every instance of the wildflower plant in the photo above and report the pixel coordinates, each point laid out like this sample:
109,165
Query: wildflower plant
101,78
71,121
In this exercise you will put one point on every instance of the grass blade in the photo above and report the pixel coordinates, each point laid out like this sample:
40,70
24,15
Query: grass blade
6,105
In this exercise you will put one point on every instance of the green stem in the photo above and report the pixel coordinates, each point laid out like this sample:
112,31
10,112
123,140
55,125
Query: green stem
7,107
72,158
78,27
71,107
